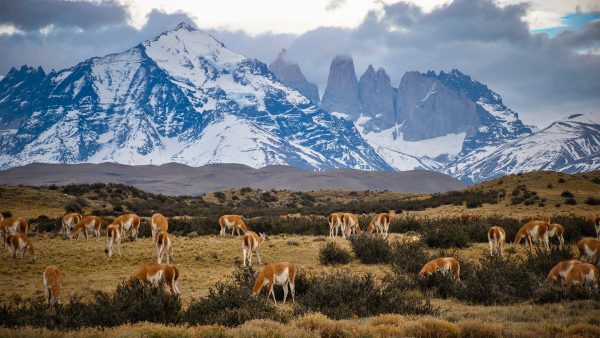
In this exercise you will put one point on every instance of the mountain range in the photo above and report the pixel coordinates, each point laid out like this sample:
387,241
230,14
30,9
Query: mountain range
184,97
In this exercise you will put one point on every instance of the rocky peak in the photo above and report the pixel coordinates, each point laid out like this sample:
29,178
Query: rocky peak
341,94
289,73
428,108
18,89
376,95
185,26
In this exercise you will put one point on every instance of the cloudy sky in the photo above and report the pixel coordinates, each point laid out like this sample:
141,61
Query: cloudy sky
542,56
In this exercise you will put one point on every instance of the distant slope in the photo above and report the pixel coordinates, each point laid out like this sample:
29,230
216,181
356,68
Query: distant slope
178,179
570,145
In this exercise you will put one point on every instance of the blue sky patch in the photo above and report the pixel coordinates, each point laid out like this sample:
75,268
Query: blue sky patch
571,21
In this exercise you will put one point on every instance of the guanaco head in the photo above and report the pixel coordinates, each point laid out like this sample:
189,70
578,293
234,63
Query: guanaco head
263,237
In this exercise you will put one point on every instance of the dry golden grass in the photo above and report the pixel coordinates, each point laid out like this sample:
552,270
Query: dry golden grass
31,202
203,261
318,325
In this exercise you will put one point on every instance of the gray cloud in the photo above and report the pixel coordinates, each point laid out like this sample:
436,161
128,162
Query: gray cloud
29,15
334,4
66,46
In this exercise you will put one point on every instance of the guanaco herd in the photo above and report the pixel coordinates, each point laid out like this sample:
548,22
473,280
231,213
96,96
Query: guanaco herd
13,231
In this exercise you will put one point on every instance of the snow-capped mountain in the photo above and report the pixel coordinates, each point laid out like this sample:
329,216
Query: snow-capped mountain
184,97
180,97
570,145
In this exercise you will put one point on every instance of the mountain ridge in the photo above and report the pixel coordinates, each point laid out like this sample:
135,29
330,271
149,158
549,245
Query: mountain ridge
180,179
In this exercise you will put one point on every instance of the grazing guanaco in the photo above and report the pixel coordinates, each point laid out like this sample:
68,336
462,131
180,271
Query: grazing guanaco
496,238
533,232
542,218
350,224
158,222
380,223
282,273
595,219
589,250
558,231
560,271
69,221
113,237
19,242
86,223
582,274
14,224
251,242
154,273
233,222
163,241
52,284
468,217
335,223
128,224
444,265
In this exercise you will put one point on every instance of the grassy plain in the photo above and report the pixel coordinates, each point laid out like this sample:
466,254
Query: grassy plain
204,260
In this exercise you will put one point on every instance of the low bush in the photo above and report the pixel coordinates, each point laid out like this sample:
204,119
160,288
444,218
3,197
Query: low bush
408,255
449,234
130,303
229,304
45,224
592,201
370,249
341,295
570,201
331,253
556,294
566,193
497,281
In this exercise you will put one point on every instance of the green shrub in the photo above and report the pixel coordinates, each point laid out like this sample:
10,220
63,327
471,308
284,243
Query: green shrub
341,295
557,294
448,234
497,281
131,303
592,201
45,224
570,201
408,255
331,253
231,303
370,249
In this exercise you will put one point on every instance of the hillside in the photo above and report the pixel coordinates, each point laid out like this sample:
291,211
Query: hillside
178,179
535,193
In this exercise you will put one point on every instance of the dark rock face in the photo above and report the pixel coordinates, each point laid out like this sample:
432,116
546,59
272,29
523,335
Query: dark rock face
18,91
376,95
498,123
341,94
289,73
428,109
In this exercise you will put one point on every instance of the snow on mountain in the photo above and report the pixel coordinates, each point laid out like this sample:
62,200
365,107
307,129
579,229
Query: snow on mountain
180,97
569,145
